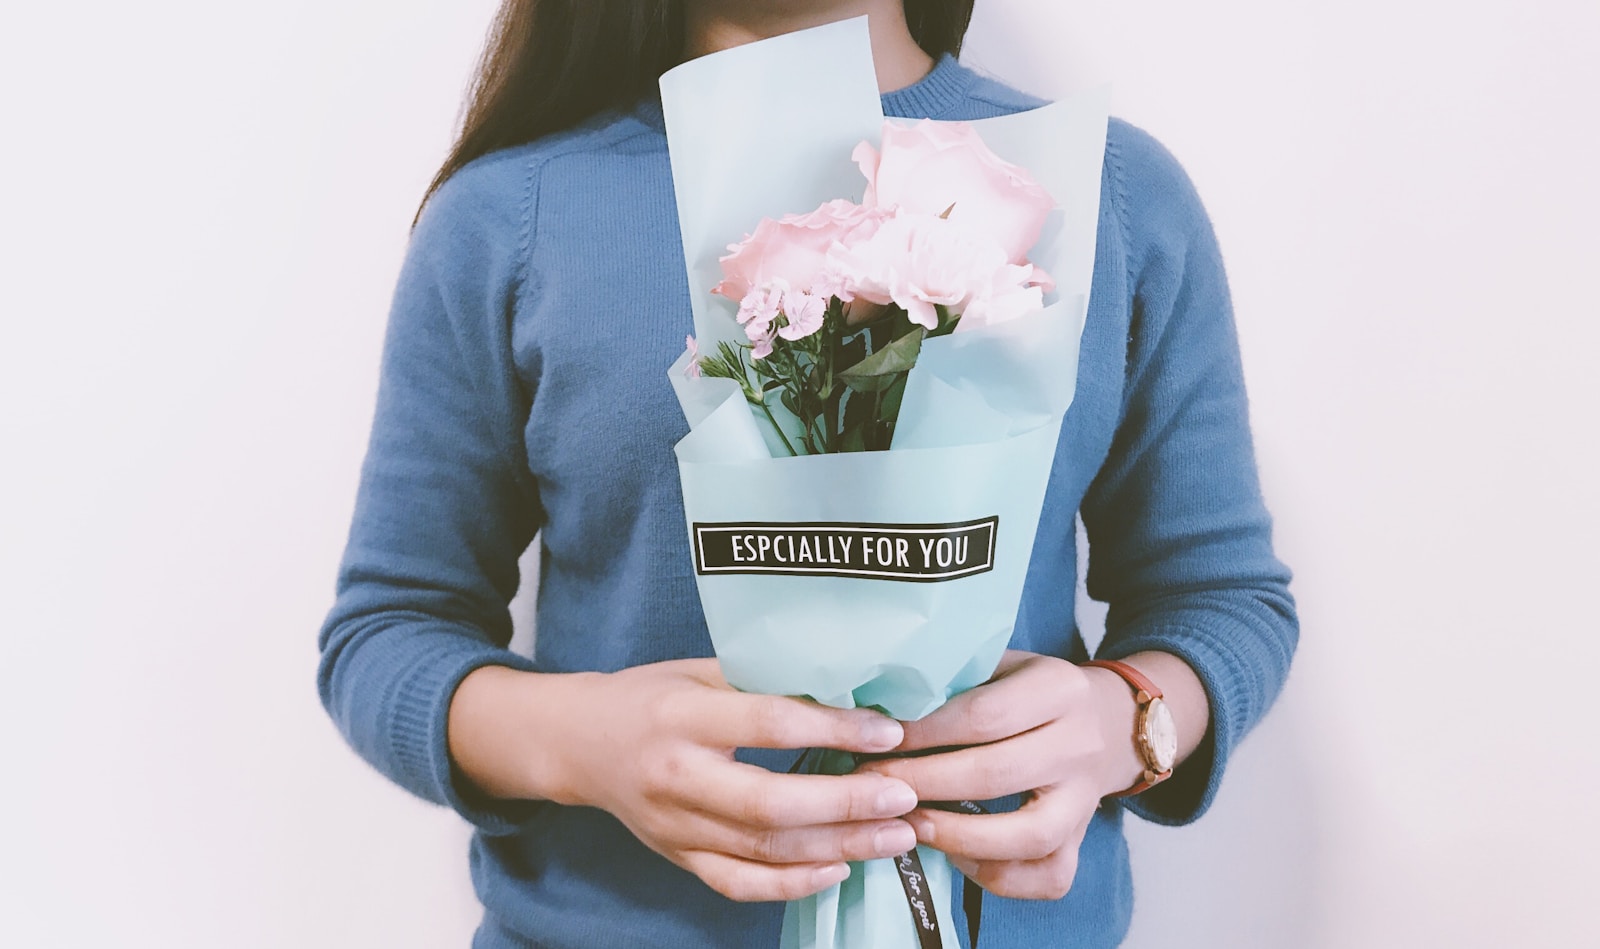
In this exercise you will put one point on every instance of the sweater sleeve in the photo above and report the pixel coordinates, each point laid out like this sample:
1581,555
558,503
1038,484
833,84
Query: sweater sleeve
1180,541
445,503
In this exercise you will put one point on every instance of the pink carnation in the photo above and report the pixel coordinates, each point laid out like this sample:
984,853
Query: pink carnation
692,369
759,307
921,261
805,313
932,167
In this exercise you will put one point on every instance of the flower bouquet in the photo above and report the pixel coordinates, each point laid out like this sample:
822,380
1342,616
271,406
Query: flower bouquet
874,389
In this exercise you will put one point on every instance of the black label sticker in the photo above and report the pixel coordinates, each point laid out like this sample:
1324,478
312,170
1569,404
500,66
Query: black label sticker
919,553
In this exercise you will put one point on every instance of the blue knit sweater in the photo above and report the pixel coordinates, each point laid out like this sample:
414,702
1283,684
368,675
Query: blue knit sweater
524,393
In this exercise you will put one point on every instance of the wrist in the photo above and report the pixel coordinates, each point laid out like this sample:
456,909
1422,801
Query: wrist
1121,765
508,729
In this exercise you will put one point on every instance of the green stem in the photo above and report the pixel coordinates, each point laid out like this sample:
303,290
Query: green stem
775,426
755,398
830,407
877,417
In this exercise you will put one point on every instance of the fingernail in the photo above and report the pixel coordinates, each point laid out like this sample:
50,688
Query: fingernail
831,874
889,841
896,799
881,732
922,826
963,867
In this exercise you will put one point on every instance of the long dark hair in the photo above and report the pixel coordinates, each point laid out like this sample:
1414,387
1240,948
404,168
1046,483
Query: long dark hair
550,64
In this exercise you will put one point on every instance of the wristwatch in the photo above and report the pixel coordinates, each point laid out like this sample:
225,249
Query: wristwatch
1155,736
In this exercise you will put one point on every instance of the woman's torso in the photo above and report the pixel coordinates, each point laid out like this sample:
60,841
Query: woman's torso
600,315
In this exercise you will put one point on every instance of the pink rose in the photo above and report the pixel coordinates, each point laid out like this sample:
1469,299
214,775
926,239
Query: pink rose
931,167
794,249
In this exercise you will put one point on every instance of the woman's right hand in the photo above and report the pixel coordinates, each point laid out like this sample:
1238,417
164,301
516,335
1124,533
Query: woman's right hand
653,745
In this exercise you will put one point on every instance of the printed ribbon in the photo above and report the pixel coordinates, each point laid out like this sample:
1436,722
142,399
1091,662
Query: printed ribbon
913,879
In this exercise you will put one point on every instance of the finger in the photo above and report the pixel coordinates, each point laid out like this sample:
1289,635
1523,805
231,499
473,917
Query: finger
1035,759
748,881
742,720
707,670
753,797
817,843
1035,831
1026,692
1047,879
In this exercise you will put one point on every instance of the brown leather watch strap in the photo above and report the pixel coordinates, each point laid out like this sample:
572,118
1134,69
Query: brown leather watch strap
1134,677
1144,784
1145,690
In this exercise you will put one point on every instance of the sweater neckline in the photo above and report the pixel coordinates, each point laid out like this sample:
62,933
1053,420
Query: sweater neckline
936,94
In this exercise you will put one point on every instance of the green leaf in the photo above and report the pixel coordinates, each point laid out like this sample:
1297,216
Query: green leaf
878,371
891,401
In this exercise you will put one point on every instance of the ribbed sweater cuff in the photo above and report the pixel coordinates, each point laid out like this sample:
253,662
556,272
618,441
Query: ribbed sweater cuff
418,730
1236,695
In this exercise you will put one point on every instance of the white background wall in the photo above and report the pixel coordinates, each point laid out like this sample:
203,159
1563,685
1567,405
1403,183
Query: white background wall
205,207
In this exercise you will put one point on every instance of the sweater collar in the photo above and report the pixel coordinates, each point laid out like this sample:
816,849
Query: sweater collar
936,94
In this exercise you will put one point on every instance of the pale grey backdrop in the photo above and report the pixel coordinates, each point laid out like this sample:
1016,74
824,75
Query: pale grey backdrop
205,208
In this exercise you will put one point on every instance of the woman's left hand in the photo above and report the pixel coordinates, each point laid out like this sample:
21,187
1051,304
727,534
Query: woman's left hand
1042,726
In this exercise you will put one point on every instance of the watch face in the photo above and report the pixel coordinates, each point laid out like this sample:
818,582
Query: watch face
1161,735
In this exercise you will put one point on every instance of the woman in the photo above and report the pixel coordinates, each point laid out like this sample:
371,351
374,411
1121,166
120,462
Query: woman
524,391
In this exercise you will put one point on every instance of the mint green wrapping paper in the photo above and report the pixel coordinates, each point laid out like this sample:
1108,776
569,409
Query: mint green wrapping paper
975,440
848,641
